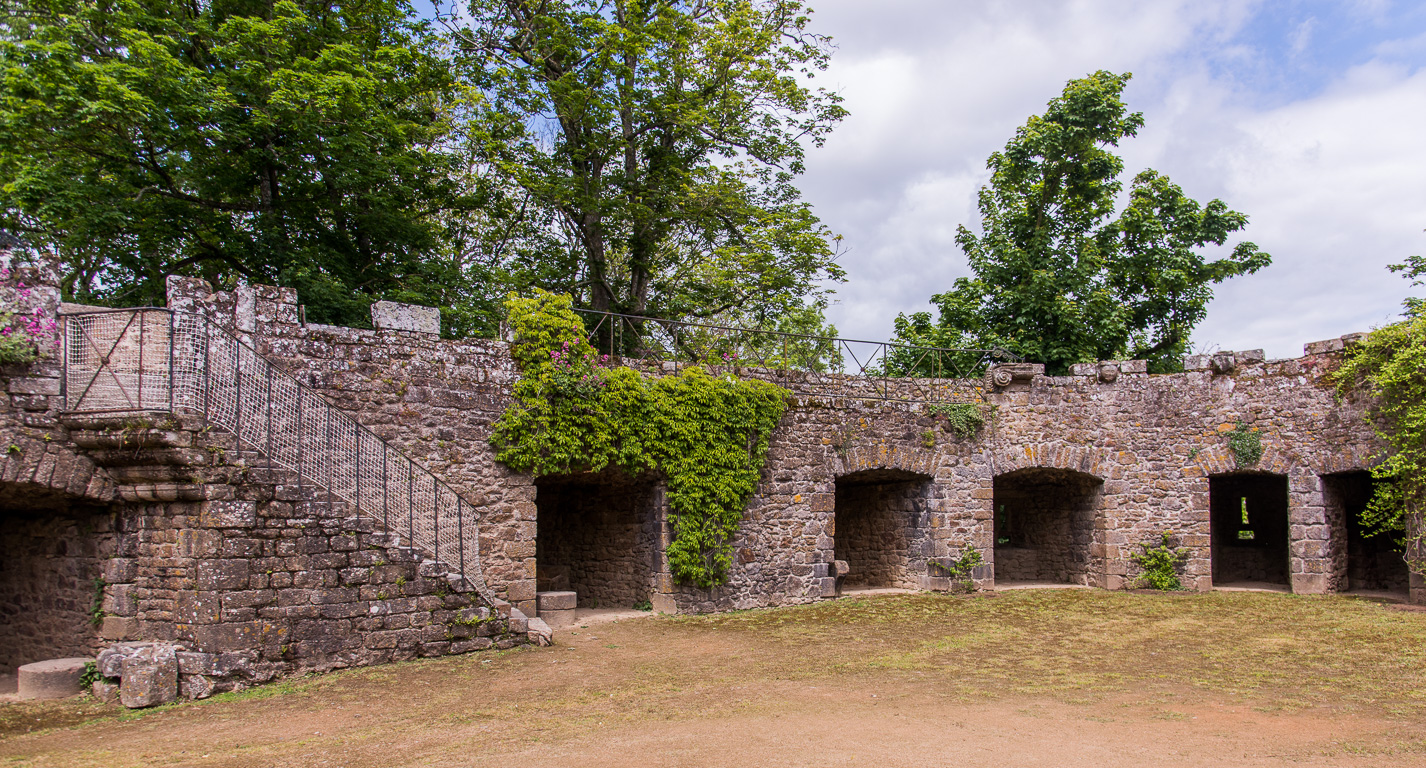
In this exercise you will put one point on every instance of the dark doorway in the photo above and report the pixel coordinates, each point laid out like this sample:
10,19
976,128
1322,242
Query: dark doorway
52,553
1044,525
877,525
597,535
1374,563
1249,529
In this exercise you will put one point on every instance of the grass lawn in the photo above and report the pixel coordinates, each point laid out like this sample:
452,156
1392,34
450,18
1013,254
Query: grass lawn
1024,677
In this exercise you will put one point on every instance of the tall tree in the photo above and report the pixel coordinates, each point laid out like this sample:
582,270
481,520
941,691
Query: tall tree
655,142
1057,277
297,142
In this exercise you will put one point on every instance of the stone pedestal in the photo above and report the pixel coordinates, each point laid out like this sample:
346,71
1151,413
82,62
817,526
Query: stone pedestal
557,608
52,679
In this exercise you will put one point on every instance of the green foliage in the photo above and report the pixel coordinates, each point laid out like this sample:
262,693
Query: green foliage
961,569
1058,277
90,675
643,605
96,606
707,435
963,419
651,147
1246,443
1161,564
928,439
1391,365
298,142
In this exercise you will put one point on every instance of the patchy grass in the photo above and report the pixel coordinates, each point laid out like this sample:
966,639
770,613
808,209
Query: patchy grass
1282,650
1112,660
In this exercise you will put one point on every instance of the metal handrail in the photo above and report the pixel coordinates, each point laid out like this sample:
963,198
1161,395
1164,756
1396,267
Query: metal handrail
158,360
626,339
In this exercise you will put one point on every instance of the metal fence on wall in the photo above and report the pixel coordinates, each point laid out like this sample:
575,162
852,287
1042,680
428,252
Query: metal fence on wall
160,361
886,370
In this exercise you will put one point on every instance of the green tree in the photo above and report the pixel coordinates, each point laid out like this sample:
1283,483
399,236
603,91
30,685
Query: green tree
1058,278
298,142
1390,365
653,143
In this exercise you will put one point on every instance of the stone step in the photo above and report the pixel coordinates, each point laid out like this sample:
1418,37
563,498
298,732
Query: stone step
51,679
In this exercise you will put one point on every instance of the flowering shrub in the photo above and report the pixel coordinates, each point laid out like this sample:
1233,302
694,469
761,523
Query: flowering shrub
24,336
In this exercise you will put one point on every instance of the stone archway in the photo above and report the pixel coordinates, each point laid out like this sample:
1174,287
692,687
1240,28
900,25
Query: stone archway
57,534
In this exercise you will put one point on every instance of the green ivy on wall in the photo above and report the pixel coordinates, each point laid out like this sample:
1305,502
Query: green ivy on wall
707,435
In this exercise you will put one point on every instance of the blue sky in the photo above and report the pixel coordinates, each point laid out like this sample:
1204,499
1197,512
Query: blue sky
1307,116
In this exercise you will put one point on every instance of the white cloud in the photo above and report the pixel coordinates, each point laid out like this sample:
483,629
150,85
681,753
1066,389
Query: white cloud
1331,182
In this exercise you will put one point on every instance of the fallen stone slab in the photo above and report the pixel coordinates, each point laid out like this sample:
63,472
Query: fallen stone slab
52,679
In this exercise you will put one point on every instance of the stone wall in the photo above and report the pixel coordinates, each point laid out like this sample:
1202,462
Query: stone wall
245,565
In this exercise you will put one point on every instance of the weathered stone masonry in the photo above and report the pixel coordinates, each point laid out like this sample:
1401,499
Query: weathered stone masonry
1068,477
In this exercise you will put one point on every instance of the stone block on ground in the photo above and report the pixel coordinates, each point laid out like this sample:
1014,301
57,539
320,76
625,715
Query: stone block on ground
51,679
540,632
557,601
149,677
561,619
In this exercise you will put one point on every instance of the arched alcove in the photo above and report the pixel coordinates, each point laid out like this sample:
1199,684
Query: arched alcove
598,535
878,516
1044,525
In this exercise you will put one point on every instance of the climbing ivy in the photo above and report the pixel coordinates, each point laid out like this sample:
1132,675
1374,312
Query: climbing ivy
707,435
1391,364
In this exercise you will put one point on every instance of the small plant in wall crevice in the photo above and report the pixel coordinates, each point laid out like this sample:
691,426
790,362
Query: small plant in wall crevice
960,570
1161,564
1246,443
964,420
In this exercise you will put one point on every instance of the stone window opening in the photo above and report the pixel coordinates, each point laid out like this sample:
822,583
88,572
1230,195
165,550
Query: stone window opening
1044,525
597,535
879,528
1374,563
1249,525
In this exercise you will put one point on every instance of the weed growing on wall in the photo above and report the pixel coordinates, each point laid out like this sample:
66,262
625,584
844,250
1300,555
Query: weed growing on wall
1246,444
1160,563
963,419
708,436
1391,364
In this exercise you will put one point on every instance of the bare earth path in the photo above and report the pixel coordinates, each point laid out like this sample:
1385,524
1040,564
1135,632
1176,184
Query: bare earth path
1030,677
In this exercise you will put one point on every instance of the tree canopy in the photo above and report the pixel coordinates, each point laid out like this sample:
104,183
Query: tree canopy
297,142
652,145
637,154
1057,276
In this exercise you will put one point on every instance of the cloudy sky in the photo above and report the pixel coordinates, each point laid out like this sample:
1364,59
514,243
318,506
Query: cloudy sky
1308,116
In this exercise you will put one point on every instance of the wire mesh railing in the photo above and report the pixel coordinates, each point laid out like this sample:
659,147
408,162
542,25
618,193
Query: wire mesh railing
885,370
158,360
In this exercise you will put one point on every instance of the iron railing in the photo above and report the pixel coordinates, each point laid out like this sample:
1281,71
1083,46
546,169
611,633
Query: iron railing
887,370
158,360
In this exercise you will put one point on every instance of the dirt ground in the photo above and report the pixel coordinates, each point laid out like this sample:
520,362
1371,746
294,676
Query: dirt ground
1029,677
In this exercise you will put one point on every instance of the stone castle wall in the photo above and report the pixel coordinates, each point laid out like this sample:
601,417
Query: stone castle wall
1148,443
259,577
